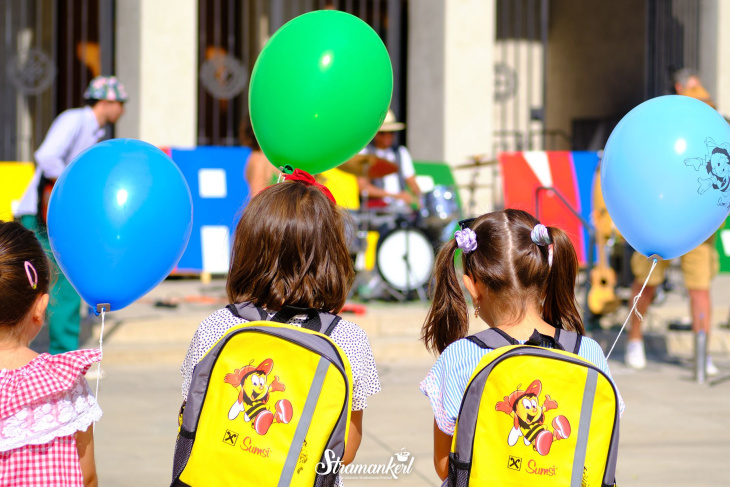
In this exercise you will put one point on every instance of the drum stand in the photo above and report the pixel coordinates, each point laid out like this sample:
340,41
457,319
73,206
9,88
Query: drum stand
366,279
372,281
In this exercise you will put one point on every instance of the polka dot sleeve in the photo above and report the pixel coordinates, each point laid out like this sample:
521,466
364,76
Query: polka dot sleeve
350,337
354,342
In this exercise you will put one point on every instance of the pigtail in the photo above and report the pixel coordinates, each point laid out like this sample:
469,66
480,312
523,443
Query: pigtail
448,317
560,307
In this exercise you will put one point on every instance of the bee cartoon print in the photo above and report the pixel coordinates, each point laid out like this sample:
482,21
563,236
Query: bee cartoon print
253,397
529,418
717,165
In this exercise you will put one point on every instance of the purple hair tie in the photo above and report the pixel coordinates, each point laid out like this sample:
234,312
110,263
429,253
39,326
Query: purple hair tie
466,240
541,237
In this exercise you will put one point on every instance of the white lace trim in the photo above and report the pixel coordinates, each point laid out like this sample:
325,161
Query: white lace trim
61,414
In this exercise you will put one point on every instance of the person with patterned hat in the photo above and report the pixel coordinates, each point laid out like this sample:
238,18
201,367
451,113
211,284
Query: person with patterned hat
72,132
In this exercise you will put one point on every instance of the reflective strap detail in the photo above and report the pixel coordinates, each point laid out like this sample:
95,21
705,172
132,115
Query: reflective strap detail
292,457
586,411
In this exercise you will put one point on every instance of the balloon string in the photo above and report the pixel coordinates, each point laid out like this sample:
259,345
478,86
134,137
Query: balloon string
98,364
633,309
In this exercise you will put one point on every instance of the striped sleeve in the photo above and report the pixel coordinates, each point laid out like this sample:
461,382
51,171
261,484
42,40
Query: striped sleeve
446,382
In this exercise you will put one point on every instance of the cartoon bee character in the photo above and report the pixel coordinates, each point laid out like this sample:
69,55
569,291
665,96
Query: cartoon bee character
529,418
254,396
717,165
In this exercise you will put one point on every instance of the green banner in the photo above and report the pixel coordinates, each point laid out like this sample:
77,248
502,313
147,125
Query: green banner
722,242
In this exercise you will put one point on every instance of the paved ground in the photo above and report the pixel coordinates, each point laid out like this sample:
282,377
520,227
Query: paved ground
674,431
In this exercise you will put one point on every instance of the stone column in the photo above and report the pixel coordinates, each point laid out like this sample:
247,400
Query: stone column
157,60
450,83
715,51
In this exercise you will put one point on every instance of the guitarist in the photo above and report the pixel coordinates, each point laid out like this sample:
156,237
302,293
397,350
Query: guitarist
72,132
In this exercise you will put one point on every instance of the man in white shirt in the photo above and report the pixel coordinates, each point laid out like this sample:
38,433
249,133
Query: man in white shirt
393,188
72,132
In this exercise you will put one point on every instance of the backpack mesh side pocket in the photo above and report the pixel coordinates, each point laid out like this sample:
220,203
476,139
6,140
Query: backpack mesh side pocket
183,448
458,471
329,480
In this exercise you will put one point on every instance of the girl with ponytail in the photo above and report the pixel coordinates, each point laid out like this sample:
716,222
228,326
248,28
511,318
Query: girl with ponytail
521,277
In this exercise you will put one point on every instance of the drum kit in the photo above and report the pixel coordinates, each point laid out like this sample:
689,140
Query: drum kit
407,239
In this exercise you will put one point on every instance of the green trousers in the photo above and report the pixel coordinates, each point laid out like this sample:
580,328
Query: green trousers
64,307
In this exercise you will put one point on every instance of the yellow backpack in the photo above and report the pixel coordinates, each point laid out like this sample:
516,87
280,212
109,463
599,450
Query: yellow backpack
267,403
535,416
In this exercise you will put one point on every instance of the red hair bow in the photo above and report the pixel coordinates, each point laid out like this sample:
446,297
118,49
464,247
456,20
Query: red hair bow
305,177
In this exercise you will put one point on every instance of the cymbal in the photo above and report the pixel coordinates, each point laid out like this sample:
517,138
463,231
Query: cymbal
476,163
368,165
356,163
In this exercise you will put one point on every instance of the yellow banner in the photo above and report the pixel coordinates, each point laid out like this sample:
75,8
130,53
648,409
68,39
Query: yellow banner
14,179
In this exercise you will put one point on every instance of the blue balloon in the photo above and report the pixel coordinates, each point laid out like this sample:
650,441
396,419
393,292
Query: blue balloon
119,219
665,175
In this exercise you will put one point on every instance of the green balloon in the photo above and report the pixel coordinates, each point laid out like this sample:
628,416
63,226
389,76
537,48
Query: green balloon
319,90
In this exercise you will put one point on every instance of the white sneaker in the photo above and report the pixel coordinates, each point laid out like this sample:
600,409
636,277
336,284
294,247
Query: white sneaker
635,356
711,368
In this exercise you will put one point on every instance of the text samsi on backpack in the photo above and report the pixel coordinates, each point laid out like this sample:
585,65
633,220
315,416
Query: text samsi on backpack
535,416
265,403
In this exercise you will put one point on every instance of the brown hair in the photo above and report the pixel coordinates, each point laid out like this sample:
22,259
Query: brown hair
290,249
515,272
17,296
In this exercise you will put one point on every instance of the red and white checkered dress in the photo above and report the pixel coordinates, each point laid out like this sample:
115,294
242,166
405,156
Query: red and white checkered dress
42,406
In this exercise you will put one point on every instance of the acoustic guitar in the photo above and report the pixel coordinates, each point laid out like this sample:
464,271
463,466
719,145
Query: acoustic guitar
601,298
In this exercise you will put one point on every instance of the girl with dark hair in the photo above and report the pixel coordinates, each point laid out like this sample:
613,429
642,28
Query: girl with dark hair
46,405
290,249
521,277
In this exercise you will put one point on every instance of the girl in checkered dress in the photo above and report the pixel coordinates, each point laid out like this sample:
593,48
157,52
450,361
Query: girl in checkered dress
46,405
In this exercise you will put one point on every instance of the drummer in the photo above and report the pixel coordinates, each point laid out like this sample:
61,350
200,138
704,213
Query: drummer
398,188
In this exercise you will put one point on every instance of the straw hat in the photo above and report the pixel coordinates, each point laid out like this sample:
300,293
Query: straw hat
390,124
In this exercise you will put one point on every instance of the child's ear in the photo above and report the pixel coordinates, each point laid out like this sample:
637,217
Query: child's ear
39,309
471,286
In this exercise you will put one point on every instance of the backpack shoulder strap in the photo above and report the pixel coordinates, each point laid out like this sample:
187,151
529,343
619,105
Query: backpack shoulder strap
248,311
318,321
569,340
492,338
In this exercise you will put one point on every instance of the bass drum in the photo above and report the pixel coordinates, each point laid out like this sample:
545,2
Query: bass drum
405,258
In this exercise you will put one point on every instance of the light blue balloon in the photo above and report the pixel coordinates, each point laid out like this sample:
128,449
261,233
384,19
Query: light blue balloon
665,175
119,219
